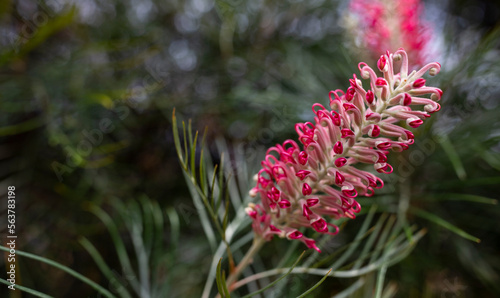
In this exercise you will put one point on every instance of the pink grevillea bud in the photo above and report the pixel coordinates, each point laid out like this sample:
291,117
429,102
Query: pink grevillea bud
338,148
306,189
380,82
382,62
302,158
369,96
350,93
302,174
389,24
419,83
306,186
340,162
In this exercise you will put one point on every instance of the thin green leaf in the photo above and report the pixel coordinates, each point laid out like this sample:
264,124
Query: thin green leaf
316,285
444,224
21,127
221,181
224,286
220,280
371,240
63,268
359,236
118,242
278,280
177,141
185,145
351,289
202,172
461,197
212,195
380,281
108,273
173,217
383,238
25,289
193,155
452,154
226,215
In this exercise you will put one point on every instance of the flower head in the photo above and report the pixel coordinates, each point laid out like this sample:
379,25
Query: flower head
305,185
387,24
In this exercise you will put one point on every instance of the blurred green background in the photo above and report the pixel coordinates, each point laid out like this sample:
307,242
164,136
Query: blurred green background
87,90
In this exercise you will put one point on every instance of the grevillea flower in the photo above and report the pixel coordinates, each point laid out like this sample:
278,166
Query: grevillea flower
304,186
388,24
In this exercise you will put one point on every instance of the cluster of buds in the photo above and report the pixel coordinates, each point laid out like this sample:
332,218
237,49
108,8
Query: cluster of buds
300,187
385,24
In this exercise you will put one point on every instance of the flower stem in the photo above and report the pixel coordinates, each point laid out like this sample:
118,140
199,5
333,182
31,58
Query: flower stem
257,244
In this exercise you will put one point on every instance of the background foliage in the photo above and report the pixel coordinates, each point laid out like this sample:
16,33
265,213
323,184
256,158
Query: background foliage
87,90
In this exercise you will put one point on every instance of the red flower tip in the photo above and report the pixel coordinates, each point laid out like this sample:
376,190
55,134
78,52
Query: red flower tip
340,162
407,100
409,135
346,132
416,123
384,145
336,118
350,93
381,157
349,106
306,189
312,202
303,157
274,229
320,225
252,213
306,212
302,174
380,82
338,148
375,131
312,244
350,193
339,179
369,96
286,157
382,62
419,83
294,235
284,204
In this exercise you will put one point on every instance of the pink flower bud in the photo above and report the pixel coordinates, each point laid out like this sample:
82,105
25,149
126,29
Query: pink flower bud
346,132
340,162
380,82
294,235
369,96
339,179
302,174
312,202
375,131
419,83
382,62
407,99
284,204
303,158
350,93
338,148
320,225
306,189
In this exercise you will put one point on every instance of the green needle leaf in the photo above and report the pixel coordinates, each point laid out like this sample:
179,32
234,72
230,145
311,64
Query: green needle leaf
316,285
278,280
444,224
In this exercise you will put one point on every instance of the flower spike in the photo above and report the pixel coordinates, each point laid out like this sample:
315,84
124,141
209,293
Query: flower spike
306,187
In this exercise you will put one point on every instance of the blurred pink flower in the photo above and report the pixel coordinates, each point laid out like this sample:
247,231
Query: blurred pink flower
304,186
389,24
